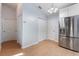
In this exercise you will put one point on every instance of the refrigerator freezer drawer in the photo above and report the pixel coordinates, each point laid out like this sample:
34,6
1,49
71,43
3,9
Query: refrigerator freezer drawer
76,44
62,42
70,43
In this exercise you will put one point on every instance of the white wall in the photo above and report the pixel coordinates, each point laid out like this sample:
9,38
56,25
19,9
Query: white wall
53,27
9,23
19,23
31,25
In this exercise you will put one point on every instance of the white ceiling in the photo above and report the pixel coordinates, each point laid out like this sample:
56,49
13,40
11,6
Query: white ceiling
45,6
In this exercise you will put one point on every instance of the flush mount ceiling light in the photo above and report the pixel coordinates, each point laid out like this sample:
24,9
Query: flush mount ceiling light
52,10
55,10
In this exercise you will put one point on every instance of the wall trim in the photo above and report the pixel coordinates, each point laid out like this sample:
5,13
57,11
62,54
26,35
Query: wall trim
29,45
32,44
53,39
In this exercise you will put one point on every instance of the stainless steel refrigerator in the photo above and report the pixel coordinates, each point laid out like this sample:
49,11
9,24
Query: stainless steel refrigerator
69,32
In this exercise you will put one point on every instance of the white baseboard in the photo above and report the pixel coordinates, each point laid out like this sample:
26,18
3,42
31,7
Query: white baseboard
32,44
54,39
29,45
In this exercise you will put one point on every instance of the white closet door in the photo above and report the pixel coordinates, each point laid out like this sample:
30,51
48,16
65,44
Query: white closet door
8,23
8,29
42,29
30,31
34,30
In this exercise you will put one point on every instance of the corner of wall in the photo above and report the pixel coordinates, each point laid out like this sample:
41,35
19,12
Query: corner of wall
26,46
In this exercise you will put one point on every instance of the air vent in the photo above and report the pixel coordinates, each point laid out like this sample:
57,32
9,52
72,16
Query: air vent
39,7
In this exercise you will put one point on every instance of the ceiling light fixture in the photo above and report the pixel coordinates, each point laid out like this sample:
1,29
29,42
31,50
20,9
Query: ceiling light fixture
52,10
55,10
49,11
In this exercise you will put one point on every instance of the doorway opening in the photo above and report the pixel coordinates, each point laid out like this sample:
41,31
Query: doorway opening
9,27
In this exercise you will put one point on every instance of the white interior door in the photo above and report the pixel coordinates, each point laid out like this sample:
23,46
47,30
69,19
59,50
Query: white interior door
9,23
8,29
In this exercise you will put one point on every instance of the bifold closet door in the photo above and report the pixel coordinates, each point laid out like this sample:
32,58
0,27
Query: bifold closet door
30,32
42,27
34,30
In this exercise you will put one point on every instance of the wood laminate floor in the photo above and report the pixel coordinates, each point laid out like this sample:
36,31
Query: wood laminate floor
44,48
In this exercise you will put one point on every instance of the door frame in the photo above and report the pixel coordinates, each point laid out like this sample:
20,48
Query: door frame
0,27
